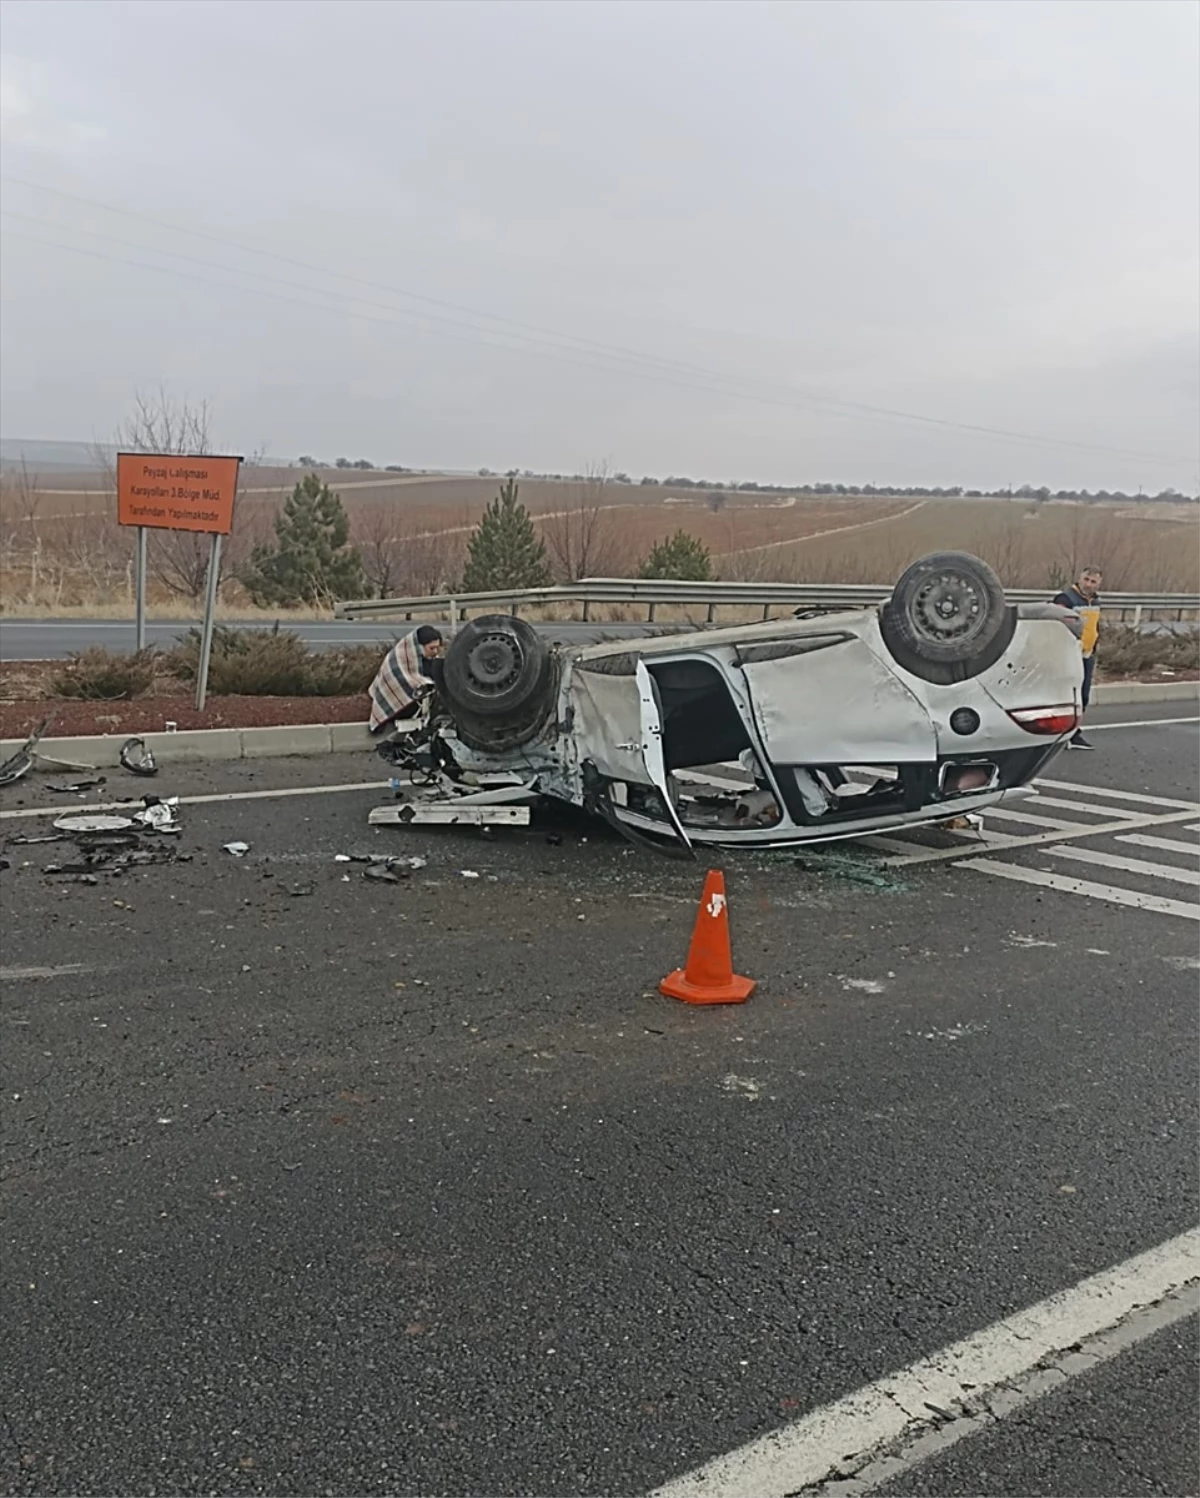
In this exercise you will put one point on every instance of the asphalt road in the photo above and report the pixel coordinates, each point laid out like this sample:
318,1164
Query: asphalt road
53,639
318,1185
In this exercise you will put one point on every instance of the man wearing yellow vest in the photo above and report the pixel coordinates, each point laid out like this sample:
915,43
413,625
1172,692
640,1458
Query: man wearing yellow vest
1084,599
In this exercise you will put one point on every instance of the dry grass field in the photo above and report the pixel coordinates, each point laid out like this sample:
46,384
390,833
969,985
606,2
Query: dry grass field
61,551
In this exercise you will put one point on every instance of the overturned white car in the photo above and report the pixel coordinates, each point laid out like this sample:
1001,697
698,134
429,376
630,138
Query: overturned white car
934,704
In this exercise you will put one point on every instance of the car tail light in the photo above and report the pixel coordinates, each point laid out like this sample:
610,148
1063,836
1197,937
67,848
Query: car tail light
1051,721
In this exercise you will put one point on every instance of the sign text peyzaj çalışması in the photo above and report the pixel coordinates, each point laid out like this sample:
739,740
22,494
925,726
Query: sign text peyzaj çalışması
170,492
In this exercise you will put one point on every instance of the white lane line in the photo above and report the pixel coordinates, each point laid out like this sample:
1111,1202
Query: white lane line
129,806
1038,839
1113,894
1067,825
1162,844
1104,792
20,974
1128,865
885,1416
1088,808
1141,723
1194,828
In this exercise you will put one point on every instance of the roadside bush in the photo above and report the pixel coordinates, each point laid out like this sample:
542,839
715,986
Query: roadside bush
100,675
1124,651
275,663
345,673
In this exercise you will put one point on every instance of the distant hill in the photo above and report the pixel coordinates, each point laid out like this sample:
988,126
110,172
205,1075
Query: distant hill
56,455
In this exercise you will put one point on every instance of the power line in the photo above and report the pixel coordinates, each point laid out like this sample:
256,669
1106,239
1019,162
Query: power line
589,351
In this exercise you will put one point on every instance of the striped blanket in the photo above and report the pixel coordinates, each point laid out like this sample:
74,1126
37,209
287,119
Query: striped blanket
399,681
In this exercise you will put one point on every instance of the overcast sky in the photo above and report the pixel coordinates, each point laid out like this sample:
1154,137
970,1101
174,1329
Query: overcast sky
684,237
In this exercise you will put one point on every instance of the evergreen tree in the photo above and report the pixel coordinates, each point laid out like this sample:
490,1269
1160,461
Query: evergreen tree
504,550
312,560
679,556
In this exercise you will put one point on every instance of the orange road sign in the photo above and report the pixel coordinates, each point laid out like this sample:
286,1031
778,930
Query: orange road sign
174,493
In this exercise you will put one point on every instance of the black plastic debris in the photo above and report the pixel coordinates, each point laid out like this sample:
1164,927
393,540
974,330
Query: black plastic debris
136,758
77,786
384,873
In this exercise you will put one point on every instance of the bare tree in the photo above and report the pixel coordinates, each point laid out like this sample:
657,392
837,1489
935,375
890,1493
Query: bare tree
20,506
581,534
380,549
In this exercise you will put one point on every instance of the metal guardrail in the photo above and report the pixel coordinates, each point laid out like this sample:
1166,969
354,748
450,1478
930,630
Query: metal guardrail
709,597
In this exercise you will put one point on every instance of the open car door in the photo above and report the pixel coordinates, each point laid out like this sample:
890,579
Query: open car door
652,747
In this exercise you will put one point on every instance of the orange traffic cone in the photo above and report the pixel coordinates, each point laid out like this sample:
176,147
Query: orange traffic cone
709,977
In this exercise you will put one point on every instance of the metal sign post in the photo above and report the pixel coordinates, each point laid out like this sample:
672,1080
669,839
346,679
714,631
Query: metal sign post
210,612
140,586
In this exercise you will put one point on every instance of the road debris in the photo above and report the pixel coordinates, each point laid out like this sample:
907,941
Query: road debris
77,787
238,850
160,816
136,758
383,873
96,821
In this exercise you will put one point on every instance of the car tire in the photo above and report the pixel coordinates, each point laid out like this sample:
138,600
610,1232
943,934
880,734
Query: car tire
947,610
494,666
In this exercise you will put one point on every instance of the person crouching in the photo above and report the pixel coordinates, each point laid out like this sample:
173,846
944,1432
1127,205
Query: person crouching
405,678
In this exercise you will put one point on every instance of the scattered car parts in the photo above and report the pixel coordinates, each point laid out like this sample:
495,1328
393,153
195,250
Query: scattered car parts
136,758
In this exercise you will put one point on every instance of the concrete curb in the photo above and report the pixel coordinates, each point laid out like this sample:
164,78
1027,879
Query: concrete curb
308,739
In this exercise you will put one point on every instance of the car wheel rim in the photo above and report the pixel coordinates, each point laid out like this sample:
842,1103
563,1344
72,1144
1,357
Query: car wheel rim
494,663
947,607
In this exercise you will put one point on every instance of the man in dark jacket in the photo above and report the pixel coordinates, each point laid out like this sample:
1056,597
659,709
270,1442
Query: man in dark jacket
1084,599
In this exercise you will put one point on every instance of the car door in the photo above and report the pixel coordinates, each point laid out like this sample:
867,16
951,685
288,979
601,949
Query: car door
652,746
830,700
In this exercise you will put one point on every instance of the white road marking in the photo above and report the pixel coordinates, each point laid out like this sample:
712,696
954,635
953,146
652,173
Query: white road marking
19,974
1162,844
885,1418
1037,839
216,796
1141,723
1129,865
1194,828
1111,893
1087,807
1032,819
1105,792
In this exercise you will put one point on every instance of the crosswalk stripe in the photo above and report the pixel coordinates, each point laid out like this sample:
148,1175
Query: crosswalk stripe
1037,839
1111,893
1105,794
1032,818
1163,844
1127,865
1084,806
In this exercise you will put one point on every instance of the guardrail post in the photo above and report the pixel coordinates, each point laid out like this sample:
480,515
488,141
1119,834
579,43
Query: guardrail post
712,614
1137,616
587,610
650,614
766,612
453,612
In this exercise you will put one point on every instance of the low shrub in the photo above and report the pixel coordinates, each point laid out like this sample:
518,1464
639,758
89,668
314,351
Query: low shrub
275,663
1124,651
101,675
